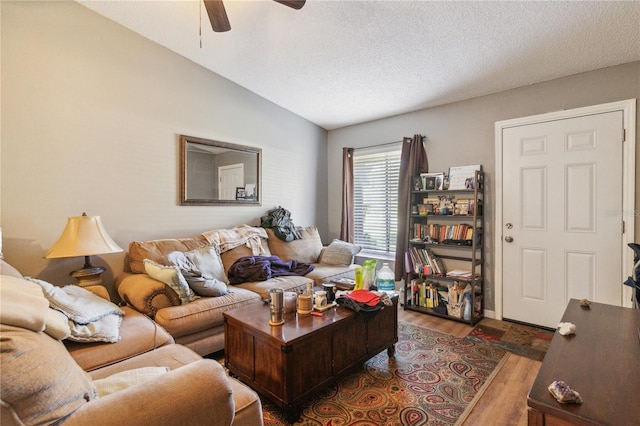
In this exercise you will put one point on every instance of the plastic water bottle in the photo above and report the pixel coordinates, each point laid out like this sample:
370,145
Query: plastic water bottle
467,307
385,278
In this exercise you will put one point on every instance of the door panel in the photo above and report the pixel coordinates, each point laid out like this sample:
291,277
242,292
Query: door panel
560,179
533,279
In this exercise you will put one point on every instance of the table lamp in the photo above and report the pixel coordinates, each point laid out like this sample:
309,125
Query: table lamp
84,236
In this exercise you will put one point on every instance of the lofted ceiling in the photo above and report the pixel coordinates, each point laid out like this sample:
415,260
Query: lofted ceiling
339,63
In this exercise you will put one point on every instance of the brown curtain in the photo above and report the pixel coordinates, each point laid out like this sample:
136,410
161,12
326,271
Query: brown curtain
347,232
413,161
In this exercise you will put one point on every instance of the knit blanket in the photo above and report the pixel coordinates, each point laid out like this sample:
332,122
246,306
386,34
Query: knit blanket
262,268
228,239
91,318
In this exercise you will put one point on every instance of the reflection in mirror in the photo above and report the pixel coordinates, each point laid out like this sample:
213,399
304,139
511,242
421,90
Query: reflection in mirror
213,172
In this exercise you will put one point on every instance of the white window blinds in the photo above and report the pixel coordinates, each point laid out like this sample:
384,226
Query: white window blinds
375,180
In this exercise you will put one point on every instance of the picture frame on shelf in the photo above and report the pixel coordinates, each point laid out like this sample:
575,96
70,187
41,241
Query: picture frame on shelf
432,181
241,194
416,184
463,177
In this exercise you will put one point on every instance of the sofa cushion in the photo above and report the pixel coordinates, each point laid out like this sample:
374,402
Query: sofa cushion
126,379
202,314
172,356
229,257
287,283
27,384
171,276
306,250
156,250
339,253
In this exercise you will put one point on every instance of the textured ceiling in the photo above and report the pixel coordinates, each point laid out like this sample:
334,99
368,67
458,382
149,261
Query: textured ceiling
338,63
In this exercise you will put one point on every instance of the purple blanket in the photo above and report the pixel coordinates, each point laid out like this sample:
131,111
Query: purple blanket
262,268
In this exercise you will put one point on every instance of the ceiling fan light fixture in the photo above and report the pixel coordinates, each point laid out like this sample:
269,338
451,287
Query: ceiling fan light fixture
218,15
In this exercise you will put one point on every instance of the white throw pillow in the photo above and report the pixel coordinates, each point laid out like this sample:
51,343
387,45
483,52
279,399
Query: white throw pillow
339,253
171,276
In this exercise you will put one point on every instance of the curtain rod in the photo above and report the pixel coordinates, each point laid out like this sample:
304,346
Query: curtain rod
404,139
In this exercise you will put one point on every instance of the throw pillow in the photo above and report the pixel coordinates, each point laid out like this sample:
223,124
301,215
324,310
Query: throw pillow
207,261
40,381
157,249
126,379
208,287
171,276
305,250
339,253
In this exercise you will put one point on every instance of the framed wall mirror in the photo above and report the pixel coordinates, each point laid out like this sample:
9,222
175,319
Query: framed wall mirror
218,173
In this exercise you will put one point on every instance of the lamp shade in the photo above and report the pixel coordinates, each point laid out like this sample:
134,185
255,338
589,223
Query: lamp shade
83,236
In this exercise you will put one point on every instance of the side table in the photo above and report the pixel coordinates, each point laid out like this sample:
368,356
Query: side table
601,362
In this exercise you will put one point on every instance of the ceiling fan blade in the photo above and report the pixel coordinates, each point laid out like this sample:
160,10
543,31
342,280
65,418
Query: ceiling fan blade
296,4
217,15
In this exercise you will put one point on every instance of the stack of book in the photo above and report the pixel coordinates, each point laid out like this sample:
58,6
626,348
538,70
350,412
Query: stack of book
416,259
424,294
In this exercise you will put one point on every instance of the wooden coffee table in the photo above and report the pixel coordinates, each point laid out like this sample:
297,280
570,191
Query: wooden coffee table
291,362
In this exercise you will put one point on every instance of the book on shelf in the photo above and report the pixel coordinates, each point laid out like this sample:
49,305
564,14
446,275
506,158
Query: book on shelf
421,257
424,294
460,273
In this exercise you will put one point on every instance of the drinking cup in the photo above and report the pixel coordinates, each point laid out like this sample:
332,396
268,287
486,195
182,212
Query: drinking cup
276,306
290,299
330,288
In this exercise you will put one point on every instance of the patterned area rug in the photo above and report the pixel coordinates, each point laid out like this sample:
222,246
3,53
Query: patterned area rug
432,379
519,339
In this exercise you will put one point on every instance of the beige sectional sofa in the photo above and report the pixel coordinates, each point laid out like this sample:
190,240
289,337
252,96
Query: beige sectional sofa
144,378
198,323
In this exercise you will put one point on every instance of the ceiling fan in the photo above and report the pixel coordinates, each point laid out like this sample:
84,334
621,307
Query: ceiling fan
218,16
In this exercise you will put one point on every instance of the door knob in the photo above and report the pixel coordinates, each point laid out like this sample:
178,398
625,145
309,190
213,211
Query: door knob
508,239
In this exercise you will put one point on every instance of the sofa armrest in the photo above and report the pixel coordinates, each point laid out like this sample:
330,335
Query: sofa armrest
196,394
145,294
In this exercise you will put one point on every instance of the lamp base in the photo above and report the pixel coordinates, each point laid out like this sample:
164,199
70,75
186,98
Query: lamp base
88,276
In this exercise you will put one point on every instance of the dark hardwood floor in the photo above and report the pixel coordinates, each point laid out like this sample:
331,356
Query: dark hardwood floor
504,402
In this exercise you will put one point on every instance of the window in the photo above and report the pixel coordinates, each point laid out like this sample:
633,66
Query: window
375,183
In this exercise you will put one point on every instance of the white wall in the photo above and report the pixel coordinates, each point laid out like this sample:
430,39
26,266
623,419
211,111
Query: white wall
463,133
91,114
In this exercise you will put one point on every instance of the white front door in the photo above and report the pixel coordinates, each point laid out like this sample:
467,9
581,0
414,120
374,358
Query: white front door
561,215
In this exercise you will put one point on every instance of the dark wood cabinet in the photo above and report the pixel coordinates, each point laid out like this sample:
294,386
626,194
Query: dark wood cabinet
291,362
601,361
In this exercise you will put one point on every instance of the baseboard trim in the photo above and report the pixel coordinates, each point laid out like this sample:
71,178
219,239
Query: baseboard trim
490,314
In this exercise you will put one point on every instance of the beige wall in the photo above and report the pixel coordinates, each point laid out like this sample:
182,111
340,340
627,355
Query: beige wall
91,114
463,133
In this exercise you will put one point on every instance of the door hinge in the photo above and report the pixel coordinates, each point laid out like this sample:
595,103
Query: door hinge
624,135
622,227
